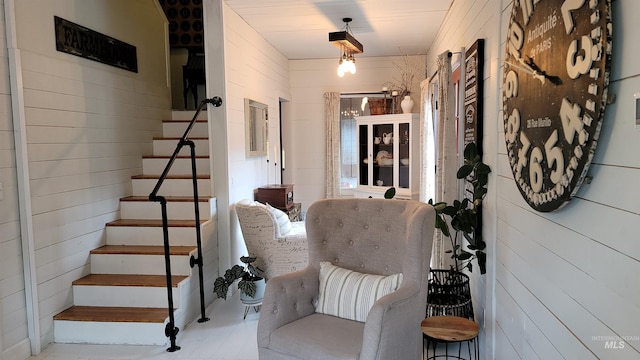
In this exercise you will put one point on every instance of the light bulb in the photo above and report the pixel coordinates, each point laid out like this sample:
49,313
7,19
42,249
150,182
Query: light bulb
346,64
343,66
352,66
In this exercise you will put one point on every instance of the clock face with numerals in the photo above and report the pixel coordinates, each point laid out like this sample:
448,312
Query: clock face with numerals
556,75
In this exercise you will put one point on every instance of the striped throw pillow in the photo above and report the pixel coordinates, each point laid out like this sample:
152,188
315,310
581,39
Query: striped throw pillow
349,294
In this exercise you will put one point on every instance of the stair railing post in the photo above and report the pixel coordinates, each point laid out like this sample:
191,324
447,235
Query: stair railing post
171,330
196,201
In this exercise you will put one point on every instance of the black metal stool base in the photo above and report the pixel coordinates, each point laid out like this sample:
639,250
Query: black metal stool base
446,355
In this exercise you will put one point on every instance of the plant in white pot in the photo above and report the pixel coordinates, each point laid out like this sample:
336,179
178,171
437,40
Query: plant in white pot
251,284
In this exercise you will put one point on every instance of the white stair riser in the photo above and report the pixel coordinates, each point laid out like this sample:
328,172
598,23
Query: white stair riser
188,114
140,235
167,147
150,210
128,333
177,129
182,166
185,295
126,296
138,264
175,187
143,235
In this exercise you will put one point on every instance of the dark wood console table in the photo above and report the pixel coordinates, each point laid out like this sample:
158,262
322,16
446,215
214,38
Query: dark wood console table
280,196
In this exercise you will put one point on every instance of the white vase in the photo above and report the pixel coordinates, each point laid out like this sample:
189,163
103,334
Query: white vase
257,298
406,104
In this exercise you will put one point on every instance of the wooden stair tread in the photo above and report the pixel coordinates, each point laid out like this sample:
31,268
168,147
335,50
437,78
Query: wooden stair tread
185,121
177,157
177,138
128,280
113,314
168,198
153,223
142,250
172,177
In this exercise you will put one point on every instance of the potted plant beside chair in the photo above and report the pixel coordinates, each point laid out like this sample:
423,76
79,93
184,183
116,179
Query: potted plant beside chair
251,284
449,292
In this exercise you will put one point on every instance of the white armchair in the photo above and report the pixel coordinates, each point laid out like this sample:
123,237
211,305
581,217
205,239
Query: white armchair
279,245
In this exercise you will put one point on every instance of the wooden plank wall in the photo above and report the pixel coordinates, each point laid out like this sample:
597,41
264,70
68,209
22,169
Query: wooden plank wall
565,282
87,125
14,342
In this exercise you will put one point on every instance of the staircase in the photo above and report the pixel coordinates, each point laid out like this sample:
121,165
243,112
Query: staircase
124,299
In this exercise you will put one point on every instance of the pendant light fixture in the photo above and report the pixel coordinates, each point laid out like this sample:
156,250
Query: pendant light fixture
348,46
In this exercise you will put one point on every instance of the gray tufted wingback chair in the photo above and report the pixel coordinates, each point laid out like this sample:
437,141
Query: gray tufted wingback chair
376,236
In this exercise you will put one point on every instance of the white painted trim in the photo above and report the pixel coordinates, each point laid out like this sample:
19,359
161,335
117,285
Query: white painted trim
462,65
167,48
492,227
214,11
22,170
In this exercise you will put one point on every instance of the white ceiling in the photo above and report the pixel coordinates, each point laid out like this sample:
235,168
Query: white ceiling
300,28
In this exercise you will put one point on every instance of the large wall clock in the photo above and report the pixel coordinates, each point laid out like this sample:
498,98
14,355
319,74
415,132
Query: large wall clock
556,75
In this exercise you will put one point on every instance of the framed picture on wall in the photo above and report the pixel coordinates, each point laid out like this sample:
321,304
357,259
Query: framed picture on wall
256,129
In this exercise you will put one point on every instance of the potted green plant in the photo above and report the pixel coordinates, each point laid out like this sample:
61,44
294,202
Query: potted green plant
463,216
251,284
448,291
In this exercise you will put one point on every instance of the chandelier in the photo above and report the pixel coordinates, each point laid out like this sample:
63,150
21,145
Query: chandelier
348,46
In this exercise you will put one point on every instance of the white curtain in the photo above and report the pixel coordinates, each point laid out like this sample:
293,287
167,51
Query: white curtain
427,142
332,133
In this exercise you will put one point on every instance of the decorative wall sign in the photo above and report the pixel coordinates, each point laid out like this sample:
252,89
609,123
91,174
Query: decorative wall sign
556,77
78,40
473,112
473,94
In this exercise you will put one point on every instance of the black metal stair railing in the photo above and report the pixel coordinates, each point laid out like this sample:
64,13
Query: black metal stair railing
171,330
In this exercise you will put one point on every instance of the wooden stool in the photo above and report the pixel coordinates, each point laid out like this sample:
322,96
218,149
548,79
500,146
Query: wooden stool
450,329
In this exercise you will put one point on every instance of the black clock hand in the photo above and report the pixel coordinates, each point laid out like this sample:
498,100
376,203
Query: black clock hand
554,79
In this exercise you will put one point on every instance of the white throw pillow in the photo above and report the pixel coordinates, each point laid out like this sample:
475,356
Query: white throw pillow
282,219
349,294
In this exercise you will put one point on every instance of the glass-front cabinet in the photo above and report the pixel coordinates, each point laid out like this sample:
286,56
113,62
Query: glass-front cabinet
388,155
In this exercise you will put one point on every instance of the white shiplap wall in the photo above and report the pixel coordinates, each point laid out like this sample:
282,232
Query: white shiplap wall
240,64
87,127
14,342
563,280
305,133
254,69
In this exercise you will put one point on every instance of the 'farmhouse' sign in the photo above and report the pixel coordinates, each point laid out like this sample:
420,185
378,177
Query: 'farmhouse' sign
77,40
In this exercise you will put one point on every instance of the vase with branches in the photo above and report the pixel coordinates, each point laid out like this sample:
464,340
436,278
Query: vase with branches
407,71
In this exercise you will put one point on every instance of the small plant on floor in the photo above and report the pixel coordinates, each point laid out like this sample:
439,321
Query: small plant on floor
247,275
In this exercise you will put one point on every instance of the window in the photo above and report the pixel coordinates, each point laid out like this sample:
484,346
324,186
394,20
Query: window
350,109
